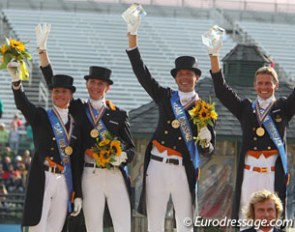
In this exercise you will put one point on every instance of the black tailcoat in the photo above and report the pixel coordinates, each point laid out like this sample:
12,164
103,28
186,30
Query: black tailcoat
45,145
116,121
165,134
281,113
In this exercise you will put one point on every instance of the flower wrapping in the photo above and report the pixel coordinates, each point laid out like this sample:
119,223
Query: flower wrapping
203,114
15,50
105,152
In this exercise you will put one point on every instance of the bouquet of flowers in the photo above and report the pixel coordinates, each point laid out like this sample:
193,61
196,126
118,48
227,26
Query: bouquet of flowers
107,152
202,114
15,50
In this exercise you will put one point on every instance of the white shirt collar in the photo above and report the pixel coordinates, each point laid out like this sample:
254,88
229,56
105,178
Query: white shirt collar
186,97
264,103
98,104
63,113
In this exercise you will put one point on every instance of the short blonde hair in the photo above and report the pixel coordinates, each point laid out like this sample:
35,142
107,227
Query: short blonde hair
259,197
268,70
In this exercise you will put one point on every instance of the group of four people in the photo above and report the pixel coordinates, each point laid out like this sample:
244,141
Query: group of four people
62,166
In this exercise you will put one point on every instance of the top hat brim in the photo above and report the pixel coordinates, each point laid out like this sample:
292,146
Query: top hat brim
70,87
109,81
175,70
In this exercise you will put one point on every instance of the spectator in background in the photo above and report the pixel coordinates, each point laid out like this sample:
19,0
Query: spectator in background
16,120
27,159
13,179
6,161
4,135
14,137
23,172
3,193
7,152
1,108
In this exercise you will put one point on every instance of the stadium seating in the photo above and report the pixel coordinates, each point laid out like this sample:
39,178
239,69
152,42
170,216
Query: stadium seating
276,39
80,40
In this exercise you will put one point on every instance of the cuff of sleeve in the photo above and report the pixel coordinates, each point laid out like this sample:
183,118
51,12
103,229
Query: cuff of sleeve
16,85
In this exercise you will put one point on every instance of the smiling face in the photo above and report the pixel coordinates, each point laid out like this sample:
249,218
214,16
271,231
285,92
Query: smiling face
97,89
61,97
186,80
265,85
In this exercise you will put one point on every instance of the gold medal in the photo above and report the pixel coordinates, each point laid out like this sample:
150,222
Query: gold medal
260,131
94,133
68,150
175,123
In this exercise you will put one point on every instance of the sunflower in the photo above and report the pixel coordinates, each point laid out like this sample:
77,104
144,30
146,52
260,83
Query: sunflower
15,50
115,146
17,45
202,114
104,142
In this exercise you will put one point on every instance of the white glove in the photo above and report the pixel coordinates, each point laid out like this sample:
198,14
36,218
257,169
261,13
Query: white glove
13,69
42,32
205,136
120,159
213,40
132,28
77,206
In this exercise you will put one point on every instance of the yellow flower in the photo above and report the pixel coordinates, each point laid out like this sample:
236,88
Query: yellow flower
104,152
104,157
3,49
17,45
15,50
204,114
213,115
104,142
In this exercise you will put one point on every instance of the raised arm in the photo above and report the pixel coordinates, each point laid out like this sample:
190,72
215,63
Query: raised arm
21,101
213,41
141,71
42,33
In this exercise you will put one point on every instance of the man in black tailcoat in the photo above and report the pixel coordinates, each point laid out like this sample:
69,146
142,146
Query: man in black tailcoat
172,156
262,162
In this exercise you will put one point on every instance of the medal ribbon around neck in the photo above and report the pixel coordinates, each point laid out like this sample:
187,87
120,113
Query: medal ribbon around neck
185,129
95,114
62,140
261,116
95,118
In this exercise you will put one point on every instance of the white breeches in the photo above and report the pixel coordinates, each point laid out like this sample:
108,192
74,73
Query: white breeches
100,186
162,181
55,202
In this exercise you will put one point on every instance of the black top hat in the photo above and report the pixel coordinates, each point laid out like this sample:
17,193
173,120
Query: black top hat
99,73
186,62
63,81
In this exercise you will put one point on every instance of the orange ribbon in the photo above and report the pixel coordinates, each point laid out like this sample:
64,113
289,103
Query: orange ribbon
266,153
162,148
53,164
